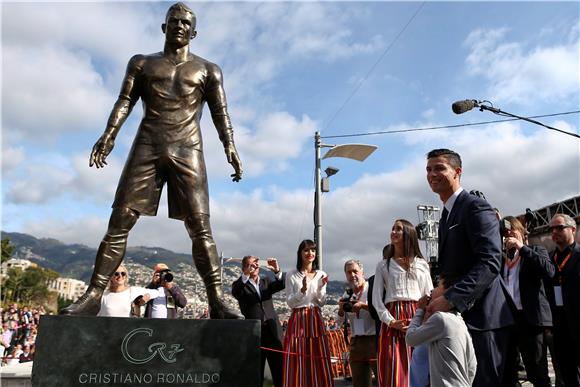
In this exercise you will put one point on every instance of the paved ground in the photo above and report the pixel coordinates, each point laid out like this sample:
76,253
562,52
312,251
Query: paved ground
344,383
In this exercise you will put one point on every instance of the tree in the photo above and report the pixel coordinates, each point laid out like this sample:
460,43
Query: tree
29,286
7,250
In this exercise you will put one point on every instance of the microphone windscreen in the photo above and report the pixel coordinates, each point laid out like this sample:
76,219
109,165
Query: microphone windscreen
460,107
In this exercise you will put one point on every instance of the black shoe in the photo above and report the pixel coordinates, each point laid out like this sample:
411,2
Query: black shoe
220,311
88,305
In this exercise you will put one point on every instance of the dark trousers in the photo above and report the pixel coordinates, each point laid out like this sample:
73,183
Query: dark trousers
491,348
567,349
529,340
362,350
269,340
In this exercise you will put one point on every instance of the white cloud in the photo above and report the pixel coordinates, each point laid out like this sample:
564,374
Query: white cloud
521,75
12,157
42,184
51,92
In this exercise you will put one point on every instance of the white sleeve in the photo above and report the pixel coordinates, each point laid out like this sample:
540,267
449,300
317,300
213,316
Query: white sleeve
320,296
294,296
378,301
423,332
137,291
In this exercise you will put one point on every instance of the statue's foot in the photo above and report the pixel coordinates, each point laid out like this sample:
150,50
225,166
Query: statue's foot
220,311
88,304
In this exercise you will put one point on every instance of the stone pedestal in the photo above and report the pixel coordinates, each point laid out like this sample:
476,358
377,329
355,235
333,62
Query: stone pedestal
108,351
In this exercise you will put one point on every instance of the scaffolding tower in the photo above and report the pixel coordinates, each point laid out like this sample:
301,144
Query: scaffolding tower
427,230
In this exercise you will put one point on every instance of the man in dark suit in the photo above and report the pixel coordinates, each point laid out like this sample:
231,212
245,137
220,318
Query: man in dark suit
254,295
564,298
470,248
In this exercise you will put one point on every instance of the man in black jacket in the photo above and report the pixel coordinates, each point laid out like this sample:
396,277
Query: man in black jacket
564,298
254,295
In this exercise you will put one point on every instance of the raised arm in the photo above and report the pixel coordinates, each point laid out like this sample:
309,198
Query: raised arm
127,98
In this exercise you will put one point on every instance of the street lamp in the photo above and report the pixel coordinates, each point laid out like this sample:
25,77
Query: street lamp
357,152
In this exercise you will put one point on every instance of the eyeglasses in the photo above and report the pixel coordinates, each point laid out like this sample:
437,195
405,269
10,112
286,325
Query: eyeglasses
559,227
120,273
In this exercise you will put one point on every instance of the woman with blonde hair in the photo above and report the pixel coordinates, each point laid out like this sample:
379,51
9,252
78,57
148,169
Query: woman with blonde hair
404,277
118,299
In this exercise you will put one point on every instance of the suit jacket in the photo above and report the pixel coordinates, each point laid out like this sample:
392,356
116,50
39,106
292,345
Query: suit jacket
535,267
570,275
260,307
470,248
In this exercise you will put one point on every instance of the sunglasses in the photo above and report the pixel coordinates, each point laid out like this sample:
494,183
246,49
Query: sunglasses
559,227
120,273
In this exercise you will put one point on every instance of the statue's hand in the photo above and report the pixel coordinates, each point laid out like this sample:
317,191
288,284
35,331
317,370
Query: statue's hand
234,160
101,150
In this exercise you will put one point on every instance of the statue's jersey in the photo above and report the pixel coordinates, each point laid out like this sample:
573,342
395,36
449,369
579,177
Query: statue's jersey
173,97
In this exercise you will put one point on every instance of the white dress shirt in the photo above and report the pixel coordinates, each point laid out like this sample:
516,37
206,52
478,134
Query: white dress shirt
451,201
256,284
315,292
399,284
512,279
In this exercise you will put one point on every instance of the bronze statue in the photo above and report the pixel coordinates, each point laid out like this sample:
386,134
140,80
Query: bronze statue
173,85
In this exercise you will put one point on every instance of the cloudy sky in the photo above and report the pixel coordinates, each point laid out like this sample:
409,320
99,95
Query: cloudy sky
291,69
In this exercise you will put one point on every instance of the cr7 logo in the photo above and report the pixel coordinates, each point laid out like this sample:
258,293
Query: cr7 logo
158,348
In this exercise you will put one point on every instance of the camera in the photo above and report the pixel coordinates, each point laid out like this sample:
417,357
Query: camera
348,304
504,226
165,276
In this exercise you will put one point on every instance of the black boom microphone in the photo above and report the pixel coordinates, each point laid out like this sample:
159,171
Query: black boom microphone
460,107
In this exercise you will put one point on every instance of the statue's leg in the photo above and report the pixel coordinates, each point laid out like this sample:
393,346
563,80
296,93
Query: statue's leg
109,257
208,265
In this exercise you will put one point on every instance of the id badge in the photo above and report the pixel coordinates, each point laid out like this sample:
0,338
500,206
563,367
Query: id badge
170,302
558,296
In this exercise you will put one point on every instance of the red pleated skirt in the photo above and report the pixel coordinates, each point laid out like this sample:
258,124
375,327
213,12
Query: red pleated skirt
394,354
306,350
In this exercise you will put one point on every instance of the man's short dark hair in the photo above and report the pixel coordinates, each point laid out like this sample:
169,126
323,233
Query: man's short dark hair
245,260
452,157
183,8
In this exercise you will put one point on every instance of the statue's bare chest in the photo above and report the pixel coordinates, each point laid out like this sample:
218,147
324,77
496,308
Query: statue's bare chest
165,78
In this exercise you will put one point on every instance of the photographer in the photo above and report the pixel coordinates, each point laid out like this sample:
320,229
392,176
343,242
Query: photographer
164,307
354,304
524,270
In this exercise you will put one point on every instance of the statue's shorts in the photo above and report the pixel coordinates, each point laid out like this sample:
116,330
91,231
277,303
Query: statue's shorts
149,167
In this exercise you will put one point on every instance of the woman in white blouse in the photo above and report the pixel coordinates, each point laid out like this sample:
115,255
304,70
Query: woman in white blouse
306,349
401,278
118,299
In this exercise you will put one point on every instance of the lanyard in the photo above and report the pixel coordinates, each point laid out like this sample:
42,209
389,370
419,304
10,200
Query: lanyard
563,263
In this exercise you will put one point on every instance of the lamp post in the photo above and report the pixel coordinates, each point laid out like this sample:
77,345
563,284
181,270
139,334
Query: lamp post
357,152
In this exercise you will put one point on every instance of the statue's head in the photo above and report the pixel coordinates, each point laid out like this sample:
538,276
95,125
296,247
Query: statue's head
179,23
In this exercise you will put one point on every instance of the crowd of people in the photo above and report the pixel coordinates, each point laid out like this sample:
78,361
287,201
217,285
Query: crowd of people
496,298
19,331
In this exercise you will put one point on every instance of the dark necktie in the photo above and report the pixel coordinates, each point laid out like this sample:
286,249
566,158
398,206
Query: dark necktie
443,222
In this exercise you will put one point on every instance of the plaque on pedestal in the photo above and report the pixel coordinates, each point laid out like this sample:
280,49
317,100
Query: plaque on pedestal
109,351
